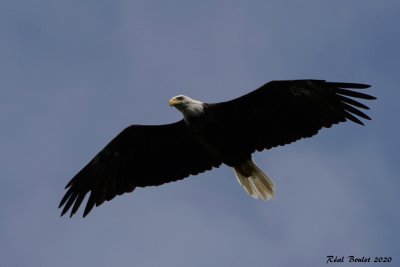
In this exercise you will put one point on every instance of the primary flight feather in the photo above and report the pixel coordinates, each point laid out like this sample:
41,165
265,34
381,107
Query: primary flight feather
276,114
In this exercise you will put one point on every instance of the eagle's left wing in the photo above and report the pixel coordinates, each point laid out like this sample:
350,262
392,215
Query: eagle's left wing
281,112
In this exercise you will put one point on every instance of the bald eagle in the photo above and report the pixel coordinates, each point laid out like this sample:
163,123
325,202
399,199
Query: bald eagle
276,114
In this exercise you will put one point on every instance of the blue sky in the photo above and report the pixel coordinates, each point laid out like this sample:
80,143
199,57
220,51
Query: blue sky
75,73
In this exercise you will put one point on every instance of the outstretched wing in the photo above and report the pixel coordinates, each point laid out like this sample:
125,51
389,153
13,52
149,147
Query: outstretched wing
281,112
139,156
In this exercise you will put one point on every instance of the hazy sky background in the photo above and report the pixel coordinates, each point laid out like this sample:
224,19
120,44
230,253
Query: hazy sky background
73,74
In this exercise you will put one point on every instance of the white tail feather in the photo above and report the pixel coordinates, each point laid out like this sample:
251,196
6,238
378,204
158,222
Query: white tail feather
254,181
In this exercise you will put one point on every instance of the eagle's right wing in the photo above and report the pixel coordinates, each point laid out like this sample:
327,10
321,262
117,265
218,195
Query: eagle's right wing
141,155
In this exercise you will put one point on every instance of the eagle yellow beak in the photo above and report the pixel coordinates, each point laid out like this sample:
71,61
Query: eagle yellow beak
172,102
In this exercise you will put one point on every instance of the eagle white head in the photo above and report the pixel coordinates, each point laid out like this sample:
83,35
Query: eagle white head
189,107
